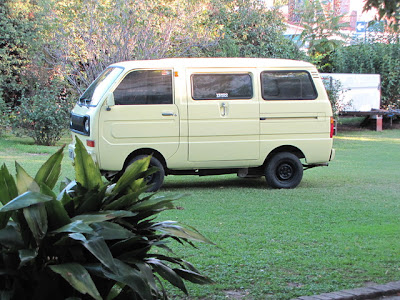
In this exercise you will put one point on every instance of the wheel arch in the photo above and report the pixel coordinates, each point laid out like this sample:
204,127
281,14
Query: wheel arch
285,148
146,151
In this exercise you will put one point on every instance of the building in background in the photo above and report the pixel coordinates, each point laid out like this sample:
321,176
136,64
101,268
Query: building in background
351,11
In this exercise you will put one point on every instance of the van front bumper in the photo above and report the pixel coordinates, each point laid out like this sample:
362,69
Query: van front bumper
71,153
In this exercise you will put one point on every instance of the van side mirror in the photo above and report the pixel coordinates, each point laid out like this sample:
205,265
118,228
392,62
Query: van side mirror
110,101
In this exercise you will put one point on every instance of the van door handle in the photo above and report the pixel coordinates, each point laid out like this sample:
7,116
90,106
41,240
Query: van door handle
168,114
224,109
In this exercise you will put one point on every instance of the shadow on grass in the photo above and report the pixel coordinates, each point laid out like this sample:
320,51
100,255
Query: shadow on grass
213,182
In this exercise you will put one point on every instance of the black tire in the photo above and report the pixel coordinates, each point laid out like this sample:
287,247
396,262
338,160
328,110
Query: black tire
155,180
284,171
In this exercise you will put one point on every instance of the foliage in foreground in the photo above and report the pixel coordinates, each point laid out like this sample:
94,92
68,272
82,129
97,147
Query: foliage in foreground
92,240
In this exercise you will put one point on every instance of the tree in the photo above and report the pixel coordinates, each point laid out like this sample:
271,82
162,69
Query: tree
387,9
249,29
322,32
89,35
17,33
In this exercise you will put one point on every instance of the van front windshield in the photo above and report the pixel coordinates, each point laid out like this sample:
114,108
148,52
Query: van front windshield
99,87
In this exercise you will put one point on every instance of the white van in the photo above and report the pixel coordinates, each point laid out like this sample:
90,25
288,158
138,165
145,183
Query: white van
207,116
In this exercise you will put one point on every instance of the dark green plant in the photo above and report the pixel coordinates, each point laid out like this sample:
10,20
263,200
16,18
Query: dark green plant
93,240
43,116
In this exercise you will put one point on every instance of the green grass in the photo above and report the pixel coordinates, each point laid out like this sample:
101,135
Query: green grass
338,229
31,156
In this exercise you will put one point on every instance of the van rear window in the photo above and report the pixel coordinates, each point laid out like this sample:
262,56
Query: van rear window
221,86
287,85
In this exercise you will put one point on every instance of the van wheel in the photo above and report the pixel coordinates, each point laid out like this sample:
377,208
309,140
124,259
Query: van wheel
155,180
284,171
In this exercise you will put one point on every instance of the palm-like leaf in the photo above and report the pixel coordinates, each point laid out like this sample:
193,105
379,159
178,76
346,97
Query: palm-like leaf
97,238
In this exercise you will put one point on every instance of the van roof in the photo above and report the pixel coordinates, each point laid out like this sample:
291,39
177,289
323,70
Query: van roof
215,63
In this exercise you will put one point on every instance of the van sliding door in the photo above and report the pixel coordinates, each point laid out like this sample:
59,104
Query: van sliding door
223,117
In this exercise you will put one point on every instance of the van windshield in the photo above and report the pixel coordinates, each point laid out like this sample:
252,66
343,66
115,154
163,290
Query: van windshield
99,87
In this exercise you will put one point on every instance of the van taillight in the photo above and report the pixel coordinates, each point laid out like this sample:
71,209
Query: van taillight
332,127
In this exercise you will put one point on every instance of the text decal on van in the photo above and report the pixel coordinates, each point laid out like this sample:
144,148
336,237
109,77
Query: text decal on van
222,95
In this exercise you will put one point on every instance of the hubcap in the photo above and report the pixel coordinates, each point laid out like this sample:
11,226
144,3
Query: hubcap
285,171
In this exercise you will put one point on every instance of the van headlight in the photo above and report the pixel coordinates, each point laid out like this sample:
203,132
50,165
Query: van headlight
87,125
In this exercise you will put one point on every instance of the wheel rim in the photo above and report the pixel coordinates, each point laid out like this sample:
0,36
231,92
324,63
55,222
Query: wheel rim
285,171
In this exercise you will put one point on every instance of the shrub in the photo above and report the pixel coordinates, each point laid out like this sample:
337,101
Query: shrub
375,58
335,90
93,240
4,115
43,116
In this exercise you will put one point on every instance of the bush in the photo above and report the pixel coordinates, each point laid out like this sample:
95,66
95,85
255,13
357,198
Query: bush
4,115
376,58
335,90
92,241
43,116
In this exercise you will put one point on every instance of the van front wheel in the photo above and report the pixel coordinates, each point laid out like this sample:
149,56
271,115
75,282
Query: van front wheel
155,180
284,171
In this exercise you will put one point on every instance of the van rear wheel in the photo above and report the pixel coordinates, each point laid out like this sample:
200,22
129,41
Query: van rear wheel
284,171
155,180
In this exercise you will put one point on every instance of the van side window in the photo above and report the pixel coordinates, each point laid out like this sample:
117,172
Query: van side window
221,86
145,87
287,85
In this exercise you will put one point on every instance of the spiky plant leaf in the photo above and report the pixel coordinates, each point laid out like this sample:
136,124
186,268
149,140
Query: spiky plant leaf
78,277
111,231
98,247
115,291
24,181
8,188
193,276
8,191
26,256
168,274
125,201
36,217
56,213
25,200
132,278
77,226
92,201
86,171
10,237
6,295
172,228
155,204
105,215
132,179
50,170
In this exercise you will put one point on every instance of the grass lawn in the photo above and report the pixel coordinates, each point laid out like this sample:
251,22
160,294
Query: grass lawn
338,229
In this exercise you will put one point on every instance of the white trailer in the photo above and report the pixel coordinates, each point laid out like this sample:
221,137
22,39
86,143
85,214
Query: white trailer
360,92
